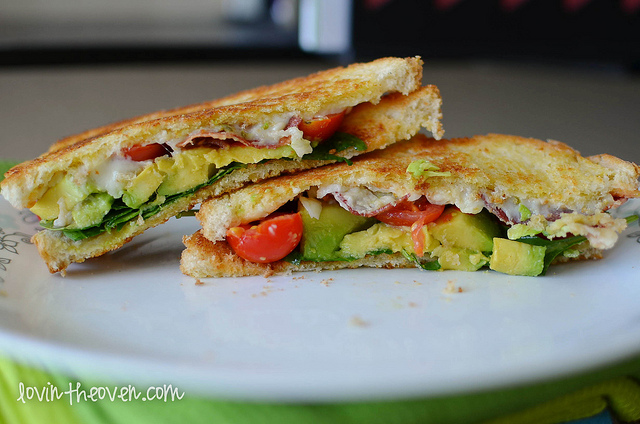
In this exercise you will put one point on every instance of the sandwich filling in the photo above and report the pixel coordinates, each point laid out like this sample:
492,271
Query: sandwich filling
137,182
338,223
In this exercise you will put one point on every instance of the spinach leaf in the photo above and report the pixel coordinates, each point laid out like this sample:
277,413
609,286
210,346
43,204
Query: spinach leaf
296,257
338,142
554,247
426,265
558,246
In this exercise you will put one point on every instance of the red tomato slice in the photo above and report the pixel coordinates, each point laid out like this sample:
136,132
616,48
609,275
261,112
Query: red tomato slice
415,215
406,213
271,240
418,236
319,129
146,152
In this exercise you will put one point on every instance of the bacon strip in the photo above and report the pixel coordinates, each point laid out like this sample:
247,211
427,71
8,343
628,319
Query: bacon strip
222,139
212,139
293,122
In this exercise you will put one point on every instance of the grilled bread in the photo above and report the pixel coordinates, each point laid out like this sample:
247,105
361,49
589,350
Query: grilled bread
233,141
533,186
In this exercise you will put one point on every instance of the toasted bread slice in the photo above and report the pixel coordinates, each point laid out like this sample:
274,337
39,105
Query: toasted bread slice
562,190
395,117
325,92
342,87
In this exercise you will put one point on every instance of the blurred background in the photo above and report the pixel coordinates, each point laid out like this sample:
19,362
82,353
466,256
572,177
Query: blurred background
598,32
563,69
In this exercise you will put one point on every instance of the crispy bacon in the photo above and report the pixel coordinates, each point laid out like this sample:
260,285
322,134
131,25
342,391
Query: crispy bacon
211,139
222,139
293,122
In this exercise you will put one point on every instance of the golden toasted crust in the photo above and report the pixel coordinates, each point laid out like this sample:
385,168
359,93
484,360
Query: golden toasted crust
377,125
334,89
300,87
203,258
486,171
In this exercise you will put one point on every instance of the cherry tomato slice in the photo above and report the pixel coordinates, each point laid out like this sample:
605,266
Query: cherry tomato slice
271,240
146,152
415,215
406,213
319,129
418,236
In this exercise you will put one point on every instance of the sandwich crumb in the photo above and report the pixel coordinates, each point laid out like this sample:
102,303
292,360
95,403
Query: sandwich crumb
356,321
199,282
451,288
326,282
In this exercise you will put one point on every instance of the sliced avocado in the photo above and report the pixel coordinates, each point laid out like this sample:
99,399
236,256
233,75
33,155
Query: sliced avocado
321,237
517,258
457,229
142,187
92,209
183,171
48,207
378,237
459,258
246,154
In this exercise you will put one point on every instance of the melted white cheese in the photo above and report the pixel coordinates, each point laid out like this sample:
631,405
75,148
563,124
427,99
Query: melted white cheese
360,200
600,229
266,134
114,174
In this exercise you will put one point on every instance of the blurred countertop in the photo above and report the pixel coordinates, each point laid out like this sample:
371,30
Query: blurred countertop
594,110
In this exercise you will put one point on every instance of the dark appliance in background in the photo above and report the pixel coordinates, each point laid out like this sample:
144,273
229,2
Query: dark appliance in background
584,32
598,32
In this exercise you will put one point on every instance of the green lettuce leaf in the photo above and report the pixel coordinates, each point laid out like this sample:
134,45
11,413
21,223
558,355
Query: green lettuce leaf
424,168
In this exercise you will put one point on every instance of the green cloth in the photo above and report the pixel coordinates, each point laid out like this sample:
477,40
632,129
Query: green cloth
615,388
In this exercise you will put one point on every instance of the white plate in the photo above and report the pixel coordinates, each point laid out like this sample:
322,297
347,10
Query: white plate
132,317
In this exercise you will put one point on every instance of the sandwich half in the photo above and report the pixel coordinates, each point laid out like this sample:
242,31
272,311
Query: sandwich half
508,203
96,191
